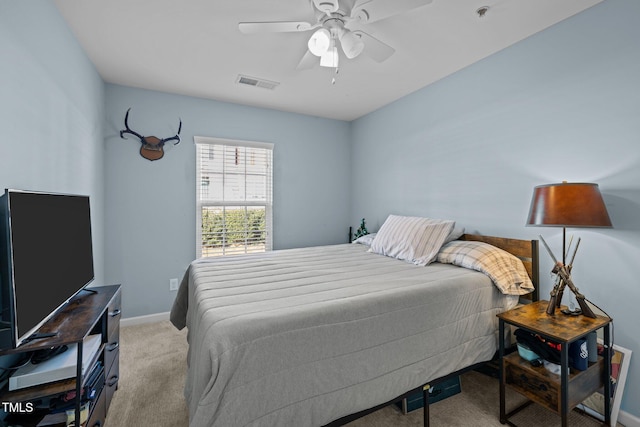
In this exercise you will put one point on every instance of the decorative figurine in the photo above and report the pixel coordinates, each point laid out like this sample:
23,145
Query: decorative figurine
362,231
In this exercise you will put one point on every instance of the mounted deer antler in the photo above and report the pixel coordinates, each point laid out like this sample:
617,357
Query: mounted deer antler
151,148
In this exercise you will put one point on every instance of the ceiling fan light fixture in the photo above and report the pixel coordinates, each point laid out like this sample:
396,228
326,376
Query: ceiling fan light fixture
319,42
326,6
352,45
330,57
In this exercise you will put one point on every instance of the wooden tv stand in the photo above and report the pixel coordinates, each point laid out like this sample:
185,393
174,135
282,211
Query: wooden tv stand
86,314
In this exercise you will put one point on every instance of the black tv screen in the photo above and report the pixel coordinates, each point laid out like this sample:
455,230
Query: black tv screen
47,259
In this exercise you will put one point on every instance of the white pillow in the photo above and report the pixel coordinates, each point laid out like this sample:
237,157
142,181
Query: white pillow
366,239
506,270
455,234
411,239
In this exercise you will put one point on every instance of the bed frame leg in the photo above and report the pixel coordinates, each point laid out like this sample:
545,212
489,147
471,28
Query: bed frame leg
425,400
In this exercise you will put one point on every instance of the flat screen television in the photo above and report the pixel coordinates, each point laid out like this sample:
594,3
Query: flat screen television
46,257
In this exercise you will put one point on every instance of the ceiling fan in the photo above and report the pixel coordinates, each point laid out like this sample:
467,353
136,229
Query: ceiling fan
337,23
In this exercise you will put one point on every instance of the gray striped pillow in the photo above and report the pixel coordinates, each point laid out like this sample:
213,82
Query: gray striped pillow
412,239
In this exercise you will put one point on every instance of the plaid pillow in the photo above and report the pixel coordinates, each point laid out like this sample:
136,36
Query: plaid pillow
506,271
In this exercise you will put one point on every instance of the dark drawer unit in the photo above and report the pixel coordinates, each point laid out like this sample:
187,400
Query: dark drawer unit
99,412
94,312
112,349
111,352
114,312
545,388
111,382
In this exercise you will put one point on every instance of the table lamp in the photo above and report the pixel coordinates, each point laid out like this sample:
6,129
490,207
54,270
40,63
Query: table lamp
567,205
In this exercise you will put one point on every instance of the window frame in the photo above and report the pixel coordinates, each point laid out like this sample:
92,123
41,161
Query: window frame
268,204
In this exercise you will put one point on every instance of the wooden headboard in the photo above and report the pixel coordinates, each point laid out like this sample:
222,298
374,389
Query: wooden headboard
525,250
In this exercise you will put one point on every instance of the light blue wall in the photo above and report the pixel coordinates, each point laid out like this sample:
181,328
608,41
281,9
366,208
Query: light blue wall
561,105
51,111
151,205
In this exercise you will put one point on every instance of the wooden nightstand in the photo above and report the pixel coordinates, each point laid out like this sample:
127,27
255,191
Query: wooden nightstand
559,393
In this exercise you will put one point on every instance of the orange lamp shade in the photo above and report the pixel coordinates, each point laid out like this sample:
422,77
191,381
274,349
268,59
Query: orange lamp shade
568,205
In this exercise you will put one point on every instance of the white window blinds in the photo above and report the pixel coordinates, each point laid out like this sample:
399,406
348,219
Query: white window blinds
233,196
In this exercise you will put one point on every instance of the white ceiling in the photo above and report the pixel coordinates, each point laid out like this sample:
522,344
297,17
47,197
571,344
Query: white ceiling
194,48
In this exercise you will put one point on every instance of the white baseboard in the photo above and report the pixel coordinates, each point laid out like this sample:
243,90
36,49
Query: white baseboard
628,420
149,318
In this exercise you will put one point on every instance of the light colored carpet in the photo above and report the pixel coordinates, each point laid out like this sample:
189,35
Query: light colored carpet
152,372
152,368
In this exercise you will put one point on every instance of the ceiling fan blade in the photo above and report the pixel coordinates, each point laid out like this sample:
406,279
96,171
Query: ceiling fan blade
275,27
377,50
375,10
308,61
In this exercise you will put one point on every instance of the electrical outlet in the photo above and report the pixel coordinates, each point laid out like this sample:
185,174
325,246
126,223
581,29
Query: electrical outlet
173,284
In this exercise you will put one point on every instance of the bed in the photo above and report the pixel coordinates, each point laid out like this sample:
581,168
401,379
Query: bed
309,336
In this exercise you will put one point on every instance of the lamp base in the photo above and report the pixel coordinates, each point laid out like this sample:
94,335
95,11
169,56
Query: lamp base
568,312
584,309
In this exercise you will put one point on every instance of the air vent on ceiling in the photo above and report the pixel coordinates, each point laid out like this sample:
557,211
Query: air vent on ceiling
253,81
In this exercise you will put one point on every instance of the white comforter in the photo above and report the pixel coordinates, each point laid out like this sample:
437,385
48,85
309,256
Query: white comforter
302,337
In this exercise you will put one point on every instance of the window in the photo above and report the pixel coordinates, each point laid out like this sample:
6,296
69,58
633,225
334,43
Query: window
233,196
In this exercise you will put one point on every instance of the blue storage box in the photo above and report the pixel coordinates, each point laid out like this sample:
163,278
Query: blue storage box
526,353
437,393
